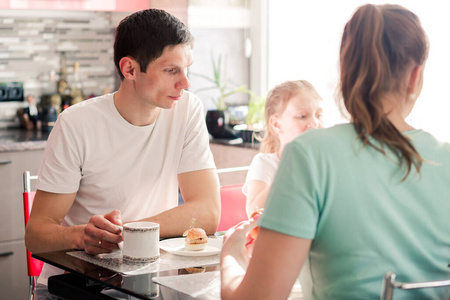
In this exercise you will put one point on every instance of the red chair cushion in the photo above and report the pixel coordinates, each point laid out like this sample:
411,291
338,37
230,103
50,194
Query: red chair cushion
233,206
34,266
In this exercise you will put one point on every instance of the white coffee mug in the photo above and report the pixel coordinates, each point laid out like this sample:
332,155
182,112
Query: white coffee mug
141,241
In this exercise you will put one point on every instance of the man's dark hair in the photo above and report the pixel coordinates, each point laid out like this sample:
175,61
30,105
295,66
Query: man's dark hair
145,34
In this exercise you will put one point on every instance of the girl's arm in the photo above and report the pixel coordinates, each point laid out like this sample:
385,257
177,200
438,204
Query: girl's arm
257,192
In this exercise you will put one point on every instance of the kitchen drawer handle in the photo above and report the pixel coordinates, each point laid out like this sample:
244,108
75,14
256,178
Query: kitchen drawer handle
9,253
5,162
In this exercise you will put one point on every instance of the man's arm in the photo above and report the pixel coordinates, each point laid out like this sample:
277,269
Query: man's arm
200,191
44,232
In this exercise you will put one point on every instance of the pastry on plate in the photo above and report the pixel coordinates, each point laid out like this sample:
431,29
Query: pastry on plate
196,239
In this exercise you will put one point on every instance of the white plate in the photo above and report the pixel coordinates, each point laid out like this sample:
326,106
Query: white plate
176,246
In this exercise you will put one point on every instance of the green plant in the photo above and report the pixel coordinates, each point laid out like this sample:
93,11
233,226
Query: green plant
220,83
255,115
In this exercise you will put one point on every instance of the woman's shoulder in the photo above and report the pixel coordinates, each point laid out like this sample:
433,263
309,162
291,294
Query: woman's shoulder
335,134
426,142
332,141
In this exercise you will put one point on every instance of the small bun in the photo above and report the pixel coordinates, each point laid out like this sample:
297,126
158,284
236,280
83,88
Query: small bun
194,233
194,247
196,239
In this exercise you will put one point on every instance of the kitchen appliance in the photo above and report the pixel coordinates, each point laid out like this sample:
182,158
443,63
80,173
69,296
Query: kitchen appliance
11,99
11,91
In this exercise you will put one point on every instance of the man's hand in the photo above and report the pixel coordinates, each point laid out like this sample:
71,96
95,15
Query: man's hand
102,234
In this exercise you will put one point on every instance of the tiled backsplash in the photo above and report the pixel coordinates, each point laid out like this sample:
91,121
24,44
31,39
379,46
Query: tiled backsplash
31,45
31,42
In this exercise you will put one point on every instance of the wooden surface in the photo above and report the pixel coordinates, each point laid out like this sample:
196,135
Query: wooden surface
228,156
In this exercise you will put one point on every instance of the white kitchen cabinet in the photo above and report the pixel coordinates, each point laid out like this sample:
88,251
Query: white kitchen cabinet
13,266
13,271
12,166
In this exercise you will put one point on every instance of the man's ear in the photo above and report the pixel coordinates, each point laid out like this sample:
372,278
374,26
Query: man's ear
415,78
276,124
128,67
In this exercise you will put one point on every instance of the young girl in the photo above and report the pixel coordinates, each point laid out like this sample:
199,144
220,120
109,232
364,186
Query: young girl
291,108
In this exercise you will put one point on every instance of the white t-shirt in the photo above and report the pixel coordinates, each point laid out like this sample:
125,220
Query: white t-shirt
264,166
112,164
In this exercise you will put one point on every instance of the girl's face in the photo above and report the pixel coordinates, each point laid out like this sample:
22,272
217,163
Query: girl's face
302,112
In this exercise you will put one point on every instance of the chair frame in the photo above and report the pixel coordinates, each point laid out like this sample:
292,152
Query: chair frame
389,285
233,169
32,268
27,177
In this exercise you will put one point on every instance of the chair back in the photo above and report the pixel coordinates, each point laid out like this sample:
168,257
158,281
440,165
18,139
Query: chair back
233,206
34,266
390,284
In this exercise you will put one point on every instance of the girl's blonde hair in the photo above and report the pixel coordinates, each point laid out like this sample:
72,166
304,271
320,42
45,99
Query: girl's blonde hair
277,100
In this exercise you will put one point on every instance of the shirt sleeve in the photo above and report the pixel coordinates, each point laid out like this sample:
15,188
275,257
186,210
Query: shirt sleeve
196,153
292,206
60,170
262,168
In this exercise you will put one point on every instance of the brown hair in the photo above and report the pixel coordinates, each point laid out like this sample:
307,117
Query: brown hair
145,34
277,100
379,46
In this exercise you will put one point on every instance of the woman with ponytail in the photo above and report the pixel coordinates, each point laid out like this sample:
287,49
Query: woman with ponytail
356,200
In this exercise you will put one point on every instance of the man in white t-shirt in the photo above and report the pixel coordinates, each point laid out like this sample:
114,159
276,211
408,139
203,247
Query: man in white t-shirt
121,157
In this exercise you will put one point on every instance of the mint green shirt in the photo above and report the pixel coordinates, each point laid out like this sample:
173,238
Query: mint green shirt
363,220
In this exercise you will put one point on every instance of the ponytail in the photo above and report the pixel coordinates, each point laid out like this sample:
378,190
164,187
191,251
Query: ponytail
379,45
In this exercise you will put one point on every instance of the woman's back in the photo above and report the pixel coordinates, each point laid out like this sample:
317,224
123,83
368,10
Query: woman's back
364,198
363,219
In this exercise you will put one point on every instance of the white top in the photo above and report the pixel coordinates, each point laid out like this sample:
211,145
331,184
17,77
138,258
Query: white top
112,164
264,166
33,109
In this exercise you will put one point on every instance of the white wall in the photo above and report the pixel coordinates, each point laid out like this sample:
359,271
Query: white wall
304,39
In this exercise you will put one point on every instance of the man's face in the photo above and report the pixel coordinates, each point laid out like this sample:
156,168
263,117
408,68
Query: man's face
165,80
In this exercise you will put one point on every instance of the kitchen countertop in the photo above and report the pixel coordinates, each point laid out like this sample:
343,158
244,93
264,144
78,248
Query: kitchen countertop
22,140
236,143
17,139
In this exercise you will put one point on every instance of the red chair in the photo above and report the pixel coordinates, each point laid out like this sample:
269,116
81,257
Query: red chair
233,206
34,266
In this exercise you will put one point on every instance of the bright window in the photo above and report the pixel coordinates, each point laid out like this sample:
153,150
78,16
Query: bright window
304,39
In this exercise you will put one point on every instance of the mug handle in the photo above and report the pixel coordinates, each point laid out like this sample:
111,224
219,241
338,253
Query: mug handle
121,243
